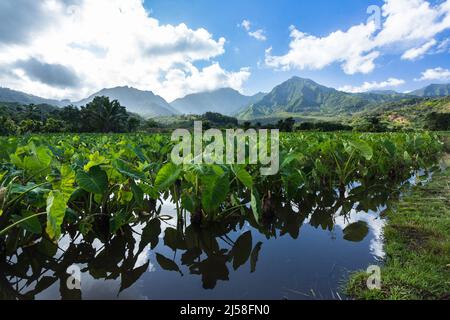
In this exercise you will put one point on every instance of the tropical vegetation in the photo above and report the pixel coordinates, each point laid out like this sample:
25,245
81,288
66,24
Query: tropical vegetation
48,182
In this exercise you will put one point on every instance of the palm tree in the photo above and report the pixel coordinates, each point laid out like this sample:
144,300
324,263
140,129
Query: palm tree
104,115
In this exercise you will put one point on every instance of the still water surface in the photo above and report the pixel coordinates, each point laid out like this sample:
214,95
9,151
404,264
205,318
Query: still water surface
302,254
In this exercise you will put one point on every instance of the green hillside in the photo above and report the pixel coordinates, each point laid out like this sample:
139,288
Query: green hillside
306,97
433,90
415,113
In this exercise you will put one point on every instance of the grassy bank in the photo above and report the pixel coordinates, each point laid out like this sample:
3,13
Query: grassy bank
417,245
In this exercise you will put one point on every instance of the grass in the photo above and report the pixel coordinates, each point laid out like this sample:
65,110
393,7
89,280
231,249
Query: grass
417,245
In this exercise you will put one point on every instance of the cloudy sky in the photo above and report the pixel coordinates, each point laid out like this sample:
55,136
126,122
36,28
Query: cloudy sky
73,48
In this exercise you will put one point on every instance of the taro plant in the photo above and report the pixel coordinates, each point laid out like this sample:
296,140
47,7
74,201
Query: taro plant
99,184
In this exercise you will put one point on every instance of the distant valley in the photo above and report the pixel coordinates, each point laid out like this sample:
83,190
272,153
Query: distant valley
226,101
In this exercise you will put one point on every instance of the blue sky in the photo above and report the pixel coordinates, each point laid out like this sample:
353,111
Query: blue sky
72,48
319,18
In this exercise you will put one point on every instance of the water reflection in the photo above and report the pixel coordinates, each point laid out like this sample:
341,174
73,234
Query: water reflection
301,251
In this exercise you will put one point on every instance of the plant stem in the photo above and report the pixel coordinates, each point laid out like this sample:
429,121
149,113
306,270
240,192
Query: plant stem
24,193
2,232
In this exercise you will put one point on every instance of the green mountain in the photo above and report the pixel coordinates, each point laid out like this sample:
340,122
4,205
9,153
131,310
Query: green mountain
13,96
299,95
433,90
144,103
225,101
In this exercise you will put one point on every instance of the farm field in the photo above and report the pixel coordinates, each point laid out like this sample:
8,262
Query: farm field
137,225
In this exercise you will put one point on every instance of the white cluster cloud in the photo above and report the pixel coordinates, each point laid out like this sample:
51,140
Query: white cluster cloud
369,86
192,80
443,47
416,53
375,224
439,73
105,43
246,24
311,52
257,34
408,25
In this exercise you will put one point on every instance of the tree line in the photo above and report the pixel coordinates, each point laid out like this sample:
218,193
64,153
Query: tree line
100,115
103,115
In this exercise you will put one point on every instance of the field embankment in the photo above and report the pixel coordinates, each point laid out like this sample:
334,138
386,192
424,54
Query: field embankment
417,245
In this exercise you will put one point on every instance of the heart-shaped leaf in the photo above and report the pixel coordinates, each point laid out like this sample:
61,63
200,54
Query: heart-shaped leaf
95,181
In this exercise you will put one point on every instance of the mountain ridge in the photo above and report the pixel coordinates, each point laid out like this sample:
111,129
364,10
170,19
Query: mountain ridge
15,96
299,95
145,103
304,96
224,100
294,96
433,90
